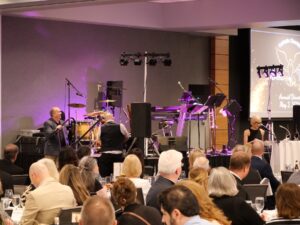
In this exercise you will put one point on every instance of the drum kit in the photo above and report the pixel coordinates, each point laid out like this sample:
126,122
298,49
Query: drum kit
85,131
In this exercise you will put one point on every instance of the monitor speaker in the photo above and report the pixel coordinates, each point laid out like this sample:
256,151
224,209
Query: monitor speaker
140,121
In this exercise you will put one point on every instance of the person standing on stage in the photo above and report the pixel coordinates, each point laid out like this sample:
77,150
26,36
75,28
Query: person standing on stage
254,132
112,137
55,133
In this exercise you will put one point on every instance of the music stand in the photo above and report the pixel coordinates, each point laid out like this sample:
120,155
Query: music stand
212,102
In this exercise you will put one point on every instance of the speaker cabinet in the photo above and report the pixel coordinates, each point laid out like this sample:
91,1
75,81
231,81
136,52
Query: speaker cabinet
140,122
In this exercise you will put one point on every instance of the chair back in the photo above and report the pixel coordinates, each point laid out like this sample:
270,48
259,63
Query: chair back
22,179
253,177
140,196
255,190
19,189
285,175
69,216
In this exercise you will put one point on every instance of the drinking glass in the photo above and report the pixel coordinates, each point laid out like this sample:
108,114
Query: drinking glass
16,200
259,204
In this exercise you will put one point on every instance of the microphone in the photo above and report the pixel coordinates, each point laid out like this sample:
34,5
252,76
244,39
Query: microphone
180,85
287,130
263,127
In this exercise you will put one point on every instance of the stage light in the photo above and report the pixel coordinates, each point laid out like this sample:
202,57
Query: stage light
123,61
265,71
280,70
258,72
152,61
137,61
167,61
272,72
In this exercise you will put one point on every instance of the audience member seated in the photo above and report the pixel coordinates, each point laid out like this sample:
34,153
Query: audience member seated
132,168
169,169
7,164
253,177
124,194
179,206
263,167
223,189
201,162
294,178
82,151
208,210
6,181
89,172
239,166
70,176
97,211
49,163
200,176
195,153
45,202
287,204
67,156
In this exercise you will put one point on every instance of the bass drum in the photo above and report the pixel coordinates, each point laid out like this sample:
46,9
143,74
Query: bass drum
81,128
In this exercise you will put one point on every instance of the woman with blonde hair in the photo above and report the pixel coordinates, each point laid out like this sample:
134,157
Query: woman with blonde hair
195,153
132,169
70,175
200,176
208,210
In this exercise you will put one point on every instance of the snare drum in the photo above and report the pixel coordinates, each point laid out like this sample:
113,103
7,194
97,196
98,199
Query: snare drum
81,128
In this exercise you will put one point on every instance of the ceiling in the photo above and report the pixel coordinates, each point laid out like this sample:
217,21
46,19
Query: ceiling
190,16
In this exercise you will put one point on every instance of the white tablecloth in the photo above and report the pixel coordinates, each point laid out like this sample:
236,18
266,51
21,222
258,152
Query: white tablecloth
284,155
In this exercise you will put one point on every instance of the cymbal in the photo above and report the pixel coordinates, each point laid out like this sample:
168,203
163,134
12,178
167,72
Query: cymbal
107,100
76,105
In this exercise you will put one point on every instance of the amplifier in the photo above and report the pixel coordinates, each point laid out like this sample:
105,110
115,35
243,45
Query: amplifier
177,143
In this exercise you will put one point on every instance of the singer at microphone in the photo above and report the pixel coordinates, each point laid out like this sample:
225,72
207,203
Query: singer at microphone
256,131
55,132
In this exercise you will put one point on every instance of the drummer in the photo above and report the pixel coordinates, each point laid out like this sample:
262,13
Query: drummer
254,131
111,137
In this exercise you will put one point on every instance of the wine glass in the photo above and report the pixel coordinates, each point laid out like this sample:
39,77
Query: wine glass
259,204
16,200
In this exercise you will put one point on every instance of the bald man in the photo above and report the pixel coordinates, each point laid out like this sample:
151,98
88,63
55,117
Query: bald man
56,137
112,137
45,202
8,163
93,208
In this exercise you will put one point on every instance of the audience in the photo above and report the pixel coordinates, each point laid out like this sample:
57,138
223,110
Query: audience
263,167
239,166
200,176
179,206
124,194
7,164
132,168
169,169
201,162
70,175
253,176
287,204
195,153
223,189
46,201
208,210
82,151
67,156
89,172
97,211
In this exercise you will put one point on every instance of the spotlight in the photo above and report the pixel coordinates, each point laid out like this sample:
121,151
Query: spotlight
167,61
258,72
280,70
152,61
123,62
266,72
137,61
272,72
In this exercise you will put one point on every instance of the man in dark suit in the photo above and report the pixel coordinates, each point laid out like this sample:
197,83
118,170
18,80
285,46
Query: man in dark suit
169,169
8,163
6,181
239,166
260,164
55,133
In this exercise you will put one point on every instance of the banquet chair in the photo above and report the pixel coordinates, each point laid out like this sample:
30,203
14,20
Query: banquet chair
285,175
22,179
256,190
67,215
